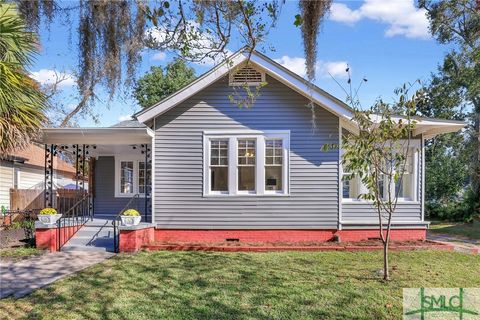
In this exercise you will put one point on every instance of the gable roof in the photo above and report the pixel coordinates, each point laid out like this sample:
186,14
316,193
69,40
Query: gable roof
428,127
128,124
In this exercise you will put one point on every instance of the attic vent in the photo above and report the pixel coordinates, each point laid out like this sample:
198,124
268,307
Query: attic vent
246,75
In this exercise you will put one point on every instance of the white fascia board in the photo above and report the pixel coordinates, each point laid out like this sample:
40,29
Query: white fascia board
434,131
100,136
192,89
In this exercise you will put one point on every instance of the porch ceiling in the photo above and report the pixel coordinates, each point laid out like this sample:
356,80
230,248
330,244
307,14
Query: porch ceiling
96,136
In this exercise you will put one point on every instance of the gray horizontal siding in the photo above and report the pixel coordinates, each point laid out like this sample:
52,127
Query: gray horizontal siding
355,212
179,201
105,202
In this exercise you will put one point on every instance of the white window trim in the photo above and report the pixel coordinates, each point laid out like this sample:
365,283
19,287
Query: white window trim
415,145
135,160
233,136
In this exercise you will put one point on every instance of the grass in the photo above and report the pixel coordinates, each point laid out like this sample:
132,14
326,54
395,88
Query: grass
18,252
209,285
469,230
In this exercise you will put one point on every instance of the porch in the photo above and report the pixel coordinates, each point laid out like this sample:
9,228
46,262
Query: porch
113,173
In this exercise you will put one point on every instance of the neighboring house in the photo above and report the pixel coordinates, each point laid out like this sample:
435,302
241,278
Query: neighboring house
25,169
254,174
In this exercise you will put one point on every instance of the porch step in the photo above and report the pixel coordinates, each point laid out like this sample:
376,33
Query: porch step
95,235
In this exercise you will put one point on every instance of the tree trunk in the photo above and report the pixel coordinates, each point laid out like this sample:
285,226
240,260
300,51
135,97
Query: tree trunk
386,243
386,273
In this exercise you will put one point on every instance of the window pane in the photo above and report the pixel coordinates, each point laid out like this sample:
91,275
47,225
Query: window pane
346,189
404,188
381,186
350,189
246,152
218,152
273,178
219,178
142,180
126,177
219,165
246,178
273,151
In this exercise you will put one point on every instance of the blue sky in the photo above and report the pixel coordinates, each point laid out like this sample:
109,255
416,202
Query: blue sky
385,41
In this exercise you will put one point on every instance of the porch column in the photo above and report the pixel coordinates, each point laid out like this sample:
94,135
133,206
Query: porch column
148,163
50,153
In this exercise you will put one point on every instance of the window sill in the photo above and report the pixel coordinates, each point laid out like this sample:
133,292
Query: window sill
355,201
128,195
242,195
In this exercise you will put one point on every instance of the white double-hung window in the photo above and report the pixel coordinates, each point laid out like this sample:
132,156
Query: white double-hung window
248,162
405,189
131,177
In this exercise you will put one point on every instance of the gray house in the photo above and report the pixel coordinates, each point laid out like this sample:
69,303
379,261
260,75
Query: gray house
204,169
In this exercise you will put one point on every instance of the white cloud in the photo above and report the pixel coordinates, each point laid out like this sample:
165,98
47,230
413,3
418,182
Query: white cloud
336,69
125,117
323,68
159,56
341,13
295,64
47,76
401,16
201,43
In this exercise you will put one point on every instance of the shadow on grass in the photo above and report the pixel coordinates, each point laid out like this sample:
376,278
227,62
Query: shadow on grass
199,285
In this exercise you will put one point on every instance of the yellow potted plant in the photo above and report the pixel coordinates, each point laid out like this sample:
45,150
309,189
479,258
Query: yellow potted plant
48,216
130,217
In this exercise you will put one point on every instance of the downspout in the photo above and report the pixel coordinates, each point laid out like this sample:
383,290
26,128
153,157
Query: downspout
340,170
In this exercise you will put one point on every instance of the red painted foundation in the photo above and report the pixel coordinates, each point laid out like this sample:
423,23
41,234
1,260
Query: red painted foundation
46,238
169,235
133,240
396,234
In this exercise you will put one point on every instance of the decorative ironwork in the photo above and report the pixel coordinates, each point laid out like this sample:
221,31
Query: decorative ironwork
50,153
147,189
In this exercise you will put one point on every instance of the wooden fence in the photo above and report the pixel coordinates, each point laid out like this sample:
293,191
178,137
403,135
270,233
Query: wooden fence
33,199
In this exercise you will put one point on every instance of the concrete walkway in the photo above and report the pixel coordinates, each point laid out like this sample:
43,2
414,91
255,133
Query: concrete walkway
461,244
19,278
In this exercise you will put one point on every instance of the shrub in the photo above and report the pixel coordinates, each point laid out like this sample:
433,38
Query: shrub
48,211
131,212
466,209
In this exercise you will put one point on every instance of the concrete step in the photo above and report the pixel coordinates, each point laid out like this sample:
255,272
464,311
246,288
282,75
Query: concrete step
95,235
94,231
100,241
70,248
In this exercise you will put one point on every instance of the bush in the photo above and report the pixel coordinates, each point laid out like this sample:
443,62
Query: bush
465,210
50,211
131,212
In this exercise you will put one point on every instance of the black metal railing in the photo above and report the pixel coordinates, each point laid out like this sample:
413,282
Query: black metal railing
133,203
73,219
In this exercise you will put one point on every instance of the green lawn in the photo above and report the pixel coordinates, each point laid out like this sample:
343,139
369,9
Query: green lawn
18,253
207,285
469,230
